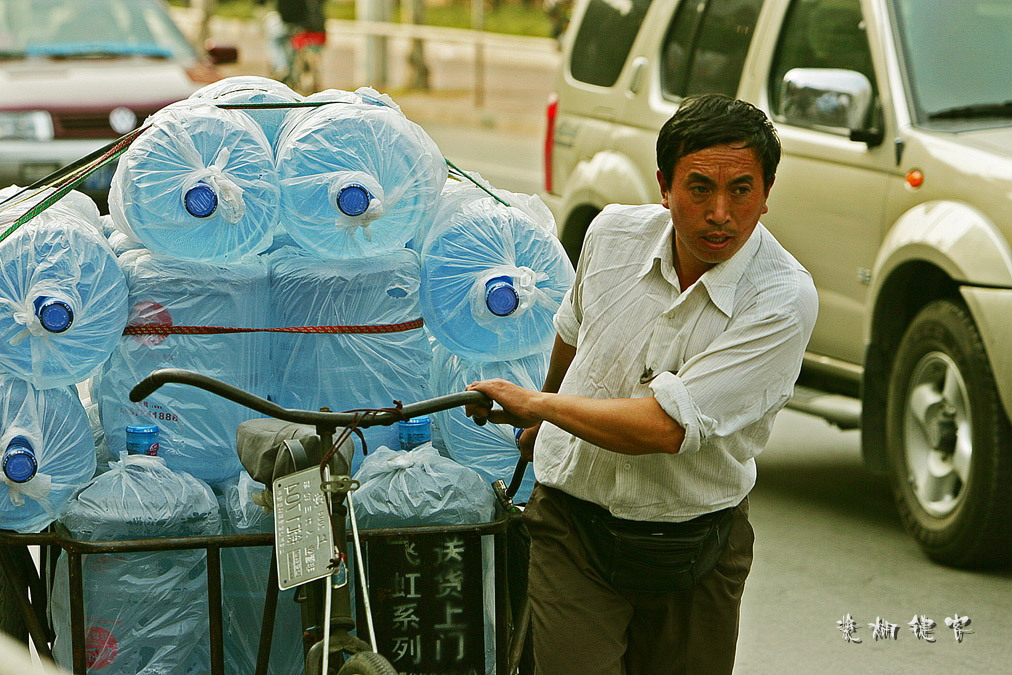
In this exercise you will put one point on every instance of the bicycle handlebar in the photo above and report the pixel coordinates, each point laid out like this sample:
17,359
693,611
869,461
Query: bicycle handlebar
152,382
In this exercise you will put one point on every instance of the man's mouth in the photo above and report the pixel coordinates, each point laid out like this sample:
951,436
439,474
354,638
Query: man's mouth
717,240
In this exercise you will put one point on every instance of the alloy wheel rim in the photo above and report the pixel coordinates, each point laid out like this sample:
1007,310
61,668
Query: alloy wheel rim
937,434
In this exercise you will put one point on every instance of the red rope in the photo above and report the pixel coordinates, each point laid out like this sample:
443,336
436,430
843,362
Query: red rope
156,329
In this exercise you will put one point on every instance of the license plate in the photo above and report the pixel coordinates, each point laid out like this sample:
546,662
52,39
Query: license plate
302,534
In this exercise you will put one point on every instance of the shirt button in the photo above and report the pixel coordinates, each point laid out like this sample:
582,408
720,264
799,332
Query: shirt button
627,466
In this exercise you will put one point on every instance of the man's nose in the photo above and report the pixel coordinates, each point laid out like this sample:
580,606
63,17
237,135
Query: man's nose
719,209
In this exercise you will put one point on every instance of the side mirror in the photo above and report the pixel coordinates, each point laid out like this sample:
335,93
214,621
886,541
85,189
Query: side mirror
831,98
221,54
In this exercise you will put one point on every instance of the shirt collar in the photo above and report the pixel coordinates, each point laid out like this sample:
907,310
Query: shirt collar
720,281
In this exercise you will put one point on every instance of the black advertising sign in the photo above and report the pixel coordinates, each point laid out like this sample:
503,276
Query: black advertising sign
426,592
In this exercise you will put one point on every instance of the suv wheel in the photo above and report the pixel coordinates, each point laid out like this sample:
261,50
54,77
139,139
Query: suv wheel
948,440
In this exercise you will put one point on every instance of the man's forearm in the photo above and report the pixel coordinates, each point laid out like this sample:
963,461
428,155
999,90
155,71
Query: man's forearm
630,426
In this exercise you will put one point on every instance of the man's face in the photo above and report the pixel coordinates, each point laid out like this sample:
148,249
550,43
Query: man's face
715,198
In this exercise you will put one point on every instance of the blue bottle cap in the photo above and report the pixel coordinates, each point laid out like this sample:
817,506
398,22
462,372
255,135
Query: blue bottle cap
200,200
353,200
19,462
500,296
54,314
142,429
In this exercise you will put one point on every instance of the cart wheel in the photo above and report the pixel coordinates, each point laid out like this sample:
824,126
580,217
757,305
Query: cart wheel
11,621
367,663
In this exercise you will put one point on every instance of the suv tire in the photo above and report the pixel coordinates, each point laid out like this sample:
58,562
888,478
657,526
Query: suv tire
950,462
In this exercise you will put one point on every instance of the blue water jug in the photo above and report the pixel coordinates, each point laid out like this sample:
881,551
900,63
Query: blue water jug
47,453
349,370
144,612
357,179
199,184
493,275
63,299
491,450
242,89
244,582
196,428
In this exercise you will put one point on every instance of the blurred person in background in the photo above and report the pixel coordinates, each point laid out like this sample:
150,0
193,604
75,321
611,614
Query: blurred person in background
297,24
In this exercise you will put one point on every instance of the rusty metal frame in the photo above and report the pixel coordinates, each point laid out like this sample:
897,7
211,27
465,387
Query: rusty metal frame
17,565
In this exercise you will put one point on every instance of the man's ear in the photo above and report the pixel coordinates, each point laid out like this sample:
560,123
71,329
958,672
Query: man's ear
664,189
766,208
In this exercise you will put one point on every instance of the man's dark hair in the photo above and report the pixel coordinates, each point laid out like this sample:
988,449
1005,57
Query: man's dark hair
714,119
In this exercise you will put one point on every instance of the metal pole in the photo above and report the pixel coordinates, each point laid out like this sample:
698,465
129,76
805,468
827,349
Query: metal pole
270,610
77,645
478,24
214,610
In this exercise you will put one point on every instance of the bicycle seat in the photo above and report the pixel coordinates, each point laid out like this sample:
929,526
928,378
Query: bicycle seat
265,455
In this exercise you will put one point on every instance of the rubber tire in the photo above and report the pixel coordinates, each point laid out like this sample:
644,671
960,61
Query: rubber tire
367,663
975,533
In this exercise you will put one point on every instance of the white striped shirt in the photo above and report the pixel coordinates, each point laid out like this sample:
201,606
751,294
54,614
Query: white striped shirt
721,358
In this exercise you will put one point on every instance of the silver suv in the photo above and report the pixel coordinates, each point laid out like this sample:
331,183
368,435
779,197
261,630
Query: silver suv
895,191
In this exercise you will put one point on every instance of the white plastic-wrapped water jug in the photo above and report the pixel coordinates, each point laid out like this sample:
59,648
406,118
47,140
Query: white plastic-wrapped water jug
63,299
244,571
491,449
252,89
198,184
383,357
47,449
493,275
144,612
175,308
357,179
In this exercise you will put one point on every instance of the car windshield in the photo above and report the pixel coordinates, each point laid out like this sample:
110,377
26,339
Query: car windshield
955,53
76,29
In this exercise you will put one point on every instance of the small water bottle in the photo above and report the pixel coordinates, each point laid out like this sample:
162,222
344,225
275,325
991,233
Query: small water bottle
414,432
142,439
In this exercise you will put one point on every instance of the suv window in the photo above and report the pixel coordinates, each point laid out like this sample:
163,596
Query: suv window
821,34
606,35
705,47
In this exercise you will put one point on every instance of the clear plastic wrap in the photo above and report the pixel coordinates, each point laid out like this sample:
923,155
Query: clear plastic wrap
345,371
144,612
252,89
420,488
197,429
491,450
198,184
357,179
52,426
63,299
244,585
493,275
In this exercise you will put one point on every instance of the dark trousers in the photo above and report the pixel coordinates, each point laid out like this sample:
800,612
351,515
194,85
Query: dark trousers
585,626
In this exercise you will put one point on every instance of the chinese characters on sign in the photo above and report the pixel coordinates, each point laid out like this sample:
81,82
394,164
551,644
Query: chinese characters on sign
427,595
921,626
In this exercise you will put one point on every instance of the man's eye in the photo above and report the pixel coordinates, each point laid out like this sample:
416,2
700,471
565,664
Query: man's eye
698,189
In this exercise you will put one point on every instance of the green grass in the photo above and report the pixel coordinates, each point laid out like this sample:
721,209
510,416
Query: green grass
512,17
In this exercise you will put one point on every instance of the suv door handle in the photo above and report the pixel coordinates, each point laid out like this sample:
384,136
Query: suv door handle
639,70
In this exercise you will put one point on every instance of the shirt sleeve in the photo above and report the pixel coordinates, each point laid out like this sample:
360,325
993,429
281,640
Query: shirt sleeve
748,371
569,316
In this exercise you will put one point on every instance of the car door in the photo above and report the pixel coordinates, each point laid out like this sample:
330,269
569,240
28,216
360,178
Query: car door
828,201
